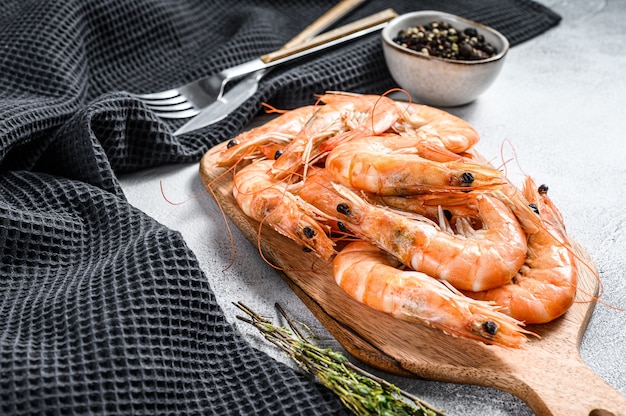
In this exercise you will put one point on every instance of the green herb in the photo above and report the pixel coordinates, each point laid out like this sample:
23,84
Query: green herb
361,392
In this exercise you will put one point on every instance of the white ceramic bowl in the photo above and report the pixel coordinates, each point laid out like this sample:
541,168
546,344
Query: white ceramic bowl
439,81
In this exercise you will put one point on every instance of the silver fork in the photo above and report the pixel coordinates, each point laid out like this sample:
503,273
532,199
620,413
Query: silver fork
187,100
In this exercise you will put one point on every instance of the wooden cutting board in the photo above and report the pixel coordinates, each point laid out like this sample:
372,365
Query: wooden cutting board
548,374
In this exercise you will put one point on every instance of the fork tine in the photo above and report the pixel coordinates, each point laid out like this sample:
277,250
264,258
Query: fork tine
170,107
173,104
178,114
162,95
188,99
167,101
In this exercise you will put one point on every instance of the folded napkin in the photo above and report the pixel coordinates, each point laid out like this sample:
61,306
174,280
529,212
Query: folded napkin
103,309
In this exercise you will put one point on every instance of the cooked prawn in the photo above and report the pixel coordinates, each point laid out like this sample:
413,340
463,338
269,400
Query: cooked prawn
370,276
391,165
545,286
476,260
269,201
326,122
281,129
372,115
438,126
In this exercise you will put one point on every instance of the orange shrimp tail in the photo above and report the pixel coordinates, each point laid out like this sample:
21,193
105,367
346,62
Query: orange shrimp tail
335,141
383,113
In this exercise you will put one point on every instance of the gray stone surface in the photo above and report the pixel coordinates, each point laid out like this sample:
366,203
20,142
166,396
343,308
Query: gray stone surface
558,108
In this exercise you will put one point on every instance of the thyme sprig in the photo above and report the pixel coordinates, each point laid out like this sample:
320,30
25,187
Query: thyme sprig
360,391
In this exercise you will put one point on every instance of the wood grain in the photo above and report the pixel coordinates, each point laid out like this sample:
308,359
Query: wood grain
326,20
548,374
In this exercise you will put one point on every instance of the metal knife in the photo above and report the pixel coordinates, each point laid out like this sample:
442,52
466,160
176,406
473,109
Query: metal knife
244,89
224,105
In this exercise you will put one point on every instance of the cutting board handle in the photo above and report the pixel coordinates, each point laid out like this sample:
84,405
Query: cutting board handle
569,388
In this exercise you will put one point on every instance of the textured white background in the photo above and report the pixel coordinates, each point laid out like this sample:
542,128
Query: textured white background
559,103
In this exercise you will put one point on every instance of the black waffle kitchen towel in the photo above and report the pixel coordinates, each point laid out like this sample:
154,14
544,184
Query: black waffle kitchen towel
102,309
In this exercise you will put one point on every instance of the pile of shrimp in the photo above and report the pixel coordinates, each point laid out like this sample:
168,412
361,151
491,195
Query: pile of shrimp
417,225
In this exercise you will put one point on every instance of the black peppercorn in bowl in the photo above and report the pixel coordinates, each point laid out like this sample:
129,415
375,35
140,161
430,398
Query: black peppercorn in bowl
442,59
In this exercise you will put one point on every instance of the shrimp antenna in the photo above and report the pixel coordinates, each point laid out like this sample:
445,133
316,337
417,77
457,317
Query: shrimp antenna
514,157
265,259
386,93
169,201
199,194
270,109
224,216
